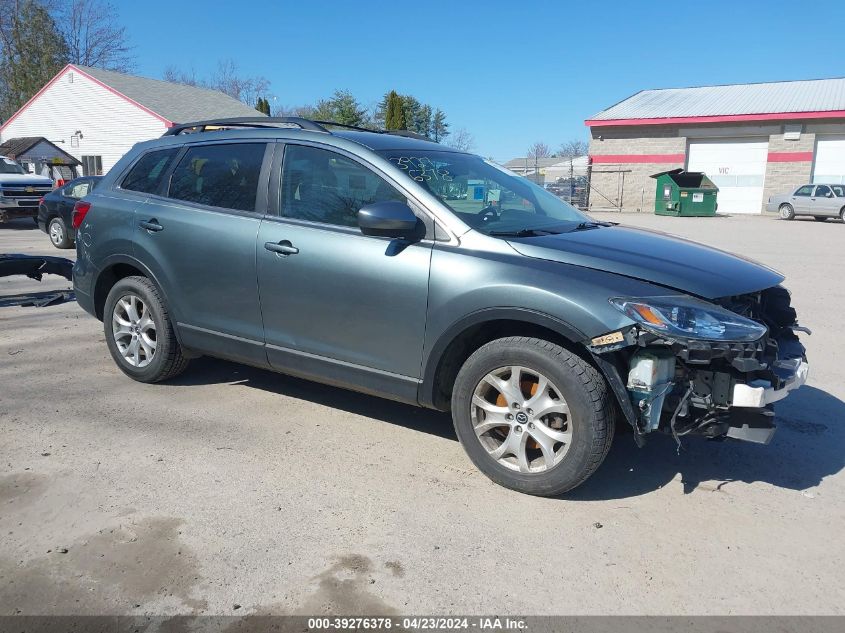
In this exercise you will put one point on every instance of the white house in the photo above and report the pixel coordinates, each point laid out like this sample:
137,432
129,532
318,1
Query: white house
96,115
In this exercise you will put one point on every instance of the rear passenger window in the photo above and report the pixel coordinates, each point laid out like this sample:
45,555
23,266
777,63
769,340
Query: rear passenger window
146,175
219,175
806,190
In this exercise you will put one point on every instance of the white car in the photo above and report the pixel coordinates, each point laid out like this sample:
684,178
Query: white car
20,191
820,201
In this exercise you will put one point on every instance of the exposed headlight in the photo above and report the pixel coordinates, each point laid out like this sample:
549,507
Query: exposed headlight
685,317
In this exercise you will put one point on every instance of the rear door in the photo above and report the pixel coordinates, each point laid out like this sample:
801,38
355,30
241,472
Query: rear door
801,199
198,236
340,306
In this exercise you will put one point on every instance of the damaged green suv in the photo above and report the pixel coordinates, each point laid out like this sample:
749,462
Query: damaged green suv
394,266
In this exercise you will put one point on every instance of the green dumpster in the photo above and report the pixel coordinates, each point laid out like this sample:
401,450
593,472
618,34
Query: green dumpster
685,193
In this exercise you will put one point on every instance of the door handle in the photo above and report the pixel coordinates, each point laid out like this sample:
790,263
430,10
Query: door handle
151,225
281,248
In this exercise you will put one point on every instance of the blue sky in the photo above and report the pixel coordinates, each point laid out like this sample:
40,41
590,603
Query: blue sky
512,72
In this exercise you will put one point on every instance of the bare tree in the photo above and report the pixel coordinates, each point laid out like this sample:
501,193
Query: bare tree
93,35
539,150
304,111
572,149
178,76
462,140
227,79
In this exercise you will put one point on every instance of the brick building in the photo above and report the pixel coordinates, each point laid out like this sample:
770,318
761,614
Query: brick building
752,140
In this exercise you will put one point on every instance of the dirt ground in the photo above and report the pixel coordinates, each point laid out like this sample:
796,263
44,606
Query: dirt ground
235,486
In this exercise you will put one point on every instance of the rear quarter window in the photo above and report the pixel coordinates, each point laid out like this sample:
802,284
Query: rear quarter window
145,176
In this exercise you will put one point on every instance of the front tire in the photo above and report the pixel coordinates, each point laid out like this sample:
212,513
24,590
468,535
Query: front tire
532,416
57,231
786,212
139,332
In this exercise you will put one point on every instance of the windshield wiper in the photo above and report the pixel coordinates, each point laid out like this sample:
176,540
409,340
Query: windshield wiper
582,226
523,233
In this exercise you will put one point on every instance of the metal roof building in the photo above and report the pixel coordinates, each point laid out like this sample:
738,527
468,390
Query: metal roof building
96,115
752,140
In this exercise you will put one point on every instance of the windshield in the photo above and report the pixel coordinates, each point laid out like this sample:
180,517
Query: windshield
8,166
485,196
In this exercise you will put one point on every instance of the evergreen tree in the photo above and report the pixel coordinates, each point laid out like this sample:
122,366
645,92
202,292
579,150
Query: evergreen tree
347,110
263,106
32,51
439,127
394,118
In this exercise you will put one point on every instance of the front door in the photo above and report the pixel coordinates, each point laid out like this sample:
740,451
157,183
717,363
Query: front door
823,202
340,306
199,241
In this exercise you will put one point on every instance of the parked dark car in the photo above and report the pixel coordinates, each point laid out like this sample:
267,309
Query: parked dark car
55,209
343,256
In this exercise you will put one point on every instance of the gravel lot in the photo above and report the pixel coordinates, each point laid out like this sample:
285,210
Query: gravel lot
236,486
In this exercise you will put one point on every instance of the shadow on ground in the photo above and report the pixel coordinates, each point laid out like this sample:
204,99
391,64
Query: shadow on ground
205,371
19,224
809,444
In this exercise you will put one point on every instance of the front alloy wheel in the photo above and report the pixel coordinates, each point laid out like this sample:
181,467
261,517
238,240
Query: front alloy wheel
521,419
532,415
134,330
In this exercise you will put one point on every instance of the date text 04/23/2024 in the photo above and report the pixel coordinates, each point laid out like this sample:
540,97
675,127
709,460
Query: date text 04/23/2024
422,623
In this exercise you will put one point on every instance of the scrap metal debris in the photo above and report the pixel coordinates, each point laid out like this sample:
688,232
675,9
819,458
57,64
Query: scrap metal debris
35,267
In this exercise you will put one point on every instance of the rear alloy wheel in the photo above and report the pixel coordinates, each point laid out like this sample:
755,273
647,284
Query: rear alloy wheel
786,212
139,333
57,231
532,416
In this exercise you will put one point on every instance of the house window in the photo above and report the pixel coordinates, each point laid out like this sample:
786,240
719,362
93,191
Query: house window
92,165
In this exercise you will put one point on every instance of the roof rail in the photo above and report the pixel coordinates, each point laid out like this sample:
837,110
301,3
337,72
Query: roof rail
245,121
272,122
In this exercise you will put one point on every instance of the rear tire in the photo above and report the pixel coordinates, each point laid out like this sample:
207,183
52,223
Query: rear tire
57,232
786,212
505,432
842,214
139,332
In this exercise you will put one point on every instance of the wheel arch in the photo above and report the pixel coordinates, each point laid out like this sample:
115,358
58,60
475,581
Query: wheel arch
117,268
466,335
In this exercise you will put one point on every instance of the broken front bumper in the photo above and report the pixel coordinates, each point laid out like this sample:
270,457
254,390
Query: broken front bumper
760,392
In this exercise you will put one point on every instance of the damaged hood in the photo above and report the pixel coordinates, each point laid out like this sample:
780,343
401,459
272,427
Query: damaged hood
654,257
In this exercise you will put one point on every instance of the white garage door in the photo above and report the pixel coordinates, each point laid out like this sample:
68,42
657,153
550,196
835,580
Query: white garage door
830,159
738,168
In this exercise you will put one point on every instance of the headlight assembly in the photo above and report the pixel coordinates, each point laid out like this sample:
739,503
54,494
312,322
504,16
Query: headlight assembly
685,317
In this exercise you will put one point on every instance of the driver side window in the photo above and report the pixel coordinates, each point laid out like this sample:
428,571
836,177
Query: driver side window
322,186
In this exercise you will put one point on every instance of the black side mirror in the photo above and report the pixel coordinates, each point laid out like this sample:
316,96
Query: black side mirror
829,194
389,219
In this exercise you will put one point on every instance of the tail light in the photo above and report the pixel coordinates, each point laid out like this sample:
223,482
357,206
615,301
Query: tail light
60,183
80,210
